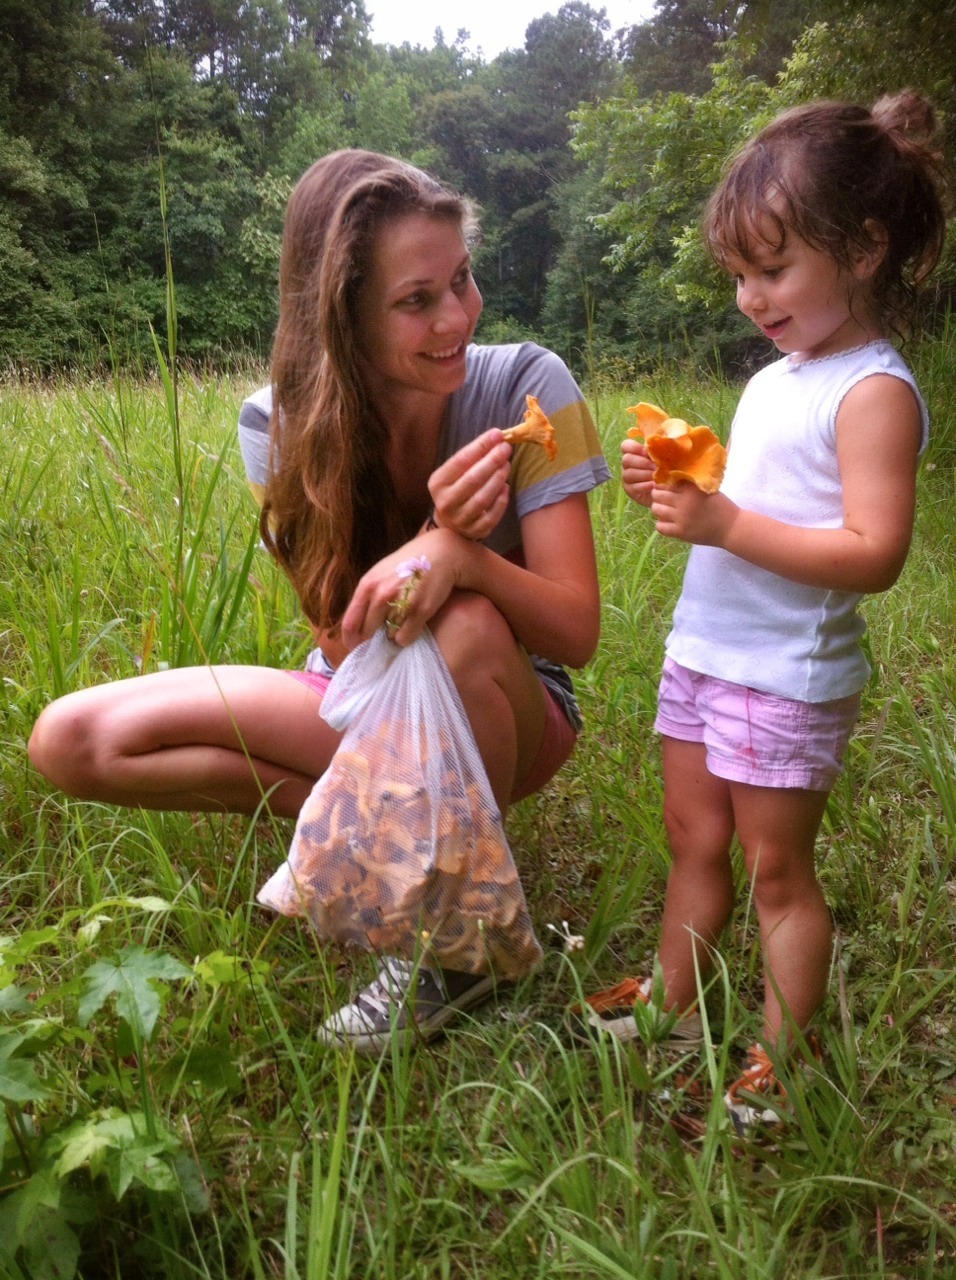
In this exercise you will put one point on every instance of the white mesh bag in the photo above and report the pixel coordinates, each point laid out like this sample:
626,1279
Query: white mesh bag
400,848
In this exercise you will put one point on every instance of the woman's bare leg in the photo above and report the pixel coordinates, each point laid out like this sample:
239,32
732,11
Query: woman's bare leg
499,687
214,738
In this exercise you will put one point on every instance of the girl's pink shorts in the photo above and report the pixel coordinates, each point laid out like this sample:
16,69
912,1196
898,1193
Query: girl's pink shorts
756,737
557,744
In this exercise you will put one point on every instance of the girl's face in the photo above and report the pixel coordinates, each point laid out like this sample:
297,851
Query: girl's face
417,308
799,297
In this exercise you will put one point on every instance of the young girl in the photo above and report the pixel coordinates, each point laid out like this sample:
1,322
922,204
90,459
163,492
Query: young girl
826,220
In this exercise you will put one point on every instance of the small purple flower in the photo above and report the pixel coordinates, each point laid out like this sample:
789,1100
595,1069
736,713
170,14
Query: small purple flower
413,568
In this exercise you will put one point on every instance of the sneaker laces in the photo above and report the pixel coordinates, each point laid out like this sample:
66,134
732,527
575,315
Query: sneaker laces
394,985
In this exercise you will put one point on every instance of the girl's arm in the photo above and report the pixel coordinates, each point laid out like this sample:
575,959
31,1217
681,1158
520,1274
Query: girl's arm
878,437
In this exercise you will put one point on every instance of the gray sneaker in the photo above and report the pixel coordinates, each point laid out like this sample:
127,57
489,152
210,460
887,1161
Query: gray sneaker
404,1000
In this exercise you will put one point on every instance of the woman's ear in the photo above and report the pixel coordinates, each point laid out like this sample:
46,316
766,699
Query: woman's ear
869,255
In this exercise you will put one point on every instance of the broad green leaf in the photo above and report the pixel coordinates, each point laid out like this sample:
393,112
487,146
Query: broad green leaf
52,1249
209,1065
18,1078
86,1143
13,999
15,948
130,978
19,1208
505,1172
143,1161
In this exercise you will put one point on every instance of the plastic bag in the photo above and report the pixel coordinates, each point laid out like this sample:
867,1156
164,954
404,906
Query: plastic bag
400,848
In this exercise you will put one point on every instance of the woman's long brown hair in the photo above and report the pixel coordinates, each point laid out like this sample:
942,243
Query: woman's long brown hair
330,510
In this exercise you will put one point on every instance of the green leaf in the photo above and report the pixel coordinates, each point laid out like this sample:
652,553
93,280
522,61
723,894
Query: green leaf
19,1208
221,969
505,1172
13,999
209,1065
86,1143
16,948
52,1249
143,1161
131,978
18,1078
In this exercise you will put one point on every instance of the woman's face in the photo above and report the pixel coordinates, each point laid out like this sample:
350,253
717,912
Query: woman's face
417,308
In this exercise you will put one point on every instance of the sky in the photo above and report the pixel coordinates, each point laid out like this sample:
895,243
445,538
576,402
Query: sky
495,25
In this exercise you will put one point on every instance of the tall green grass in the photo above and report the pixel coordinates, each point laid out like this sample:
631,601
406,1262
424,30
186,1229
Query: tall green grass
168,1110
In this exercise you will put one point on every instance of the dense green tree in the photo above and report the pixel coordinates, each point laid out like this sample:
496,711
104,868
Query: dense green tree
524,136
107,107
672,52
57,90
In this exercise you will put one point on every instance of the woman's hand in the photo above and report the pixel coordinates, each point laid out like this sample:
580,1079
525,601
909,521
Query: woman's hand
637,472
407,587
470,490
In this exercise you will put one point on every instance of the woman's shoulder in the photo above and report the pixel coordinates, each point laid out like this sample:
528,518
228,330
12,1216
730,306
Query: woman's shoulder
512,354
500,376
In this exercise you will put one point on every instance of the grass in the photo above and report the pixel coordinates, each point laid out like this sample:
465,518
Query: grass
168,1110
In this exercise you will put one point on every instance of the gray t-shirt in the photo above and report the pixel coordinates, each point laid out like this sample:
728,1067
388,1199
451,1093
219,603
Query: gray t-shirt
497,380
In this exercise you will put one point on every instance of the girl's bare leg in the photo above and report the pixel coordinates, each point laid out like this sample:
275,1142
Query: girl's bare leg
699,817
778,828
214,738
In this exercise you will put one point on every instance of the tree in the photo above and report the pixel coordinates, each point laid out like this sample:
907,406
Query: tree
672,52
567,59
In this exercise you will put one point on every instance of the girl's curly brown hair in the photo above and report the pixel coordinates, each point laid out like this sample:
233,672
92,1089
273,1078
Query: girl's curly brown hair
843,178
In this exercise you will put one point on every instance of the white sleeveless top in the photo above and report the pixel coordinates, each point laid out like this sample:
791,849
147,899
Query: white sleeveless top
747,625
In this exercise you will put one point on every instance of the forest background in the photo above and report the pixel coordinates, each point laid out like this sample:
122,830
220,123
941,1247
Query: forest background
134,133
167,1109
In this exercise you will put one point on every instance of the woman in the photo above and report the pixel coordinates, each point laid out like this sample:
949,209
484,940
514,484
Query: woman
379,441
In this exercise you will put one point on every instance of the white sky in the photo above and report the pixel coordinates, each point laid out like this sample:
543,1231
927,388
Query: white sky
495,25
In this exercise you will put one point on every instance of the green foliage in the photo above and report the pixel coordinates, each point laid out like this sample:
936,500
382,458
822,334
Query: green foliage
108,1143
168,1110
592,244
652,162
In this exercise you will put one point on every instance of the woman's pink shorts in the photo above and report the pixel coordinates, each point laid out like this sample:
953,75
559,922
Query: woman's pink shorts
756,737
557,744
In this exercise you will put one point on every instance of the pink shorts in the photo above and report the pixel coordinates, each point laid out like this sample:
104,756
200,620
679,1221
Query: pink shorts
557,744
755,737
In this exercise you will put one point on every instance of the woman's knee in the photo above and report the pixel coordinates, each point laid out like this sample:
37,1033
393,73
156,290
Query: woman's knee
473,635
62,746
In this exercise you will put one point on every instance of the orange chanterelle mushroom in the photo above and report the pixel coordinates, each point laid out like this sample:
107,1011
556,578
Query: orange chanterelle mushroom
681,452
536,429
